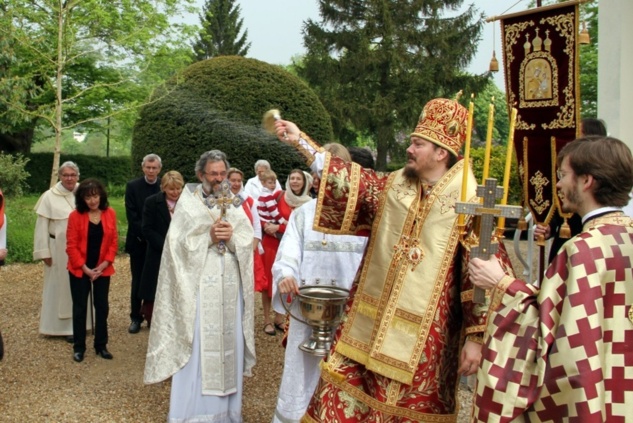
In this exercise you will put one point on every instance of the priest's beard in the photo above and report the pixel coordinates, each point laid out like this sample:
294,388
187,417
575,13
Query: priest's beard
570,201
210,187
411,175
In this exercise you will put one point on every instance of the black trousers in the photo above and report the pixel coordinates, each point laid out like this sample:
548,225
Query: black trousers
80,292
137,261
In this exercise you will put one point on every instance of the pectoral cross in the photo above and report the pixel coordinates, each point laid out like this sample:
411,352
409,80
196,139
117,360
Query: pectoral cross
222,198
484,232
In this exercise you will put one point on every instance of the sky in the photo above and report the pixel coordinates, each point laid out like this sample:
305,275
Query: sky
274,29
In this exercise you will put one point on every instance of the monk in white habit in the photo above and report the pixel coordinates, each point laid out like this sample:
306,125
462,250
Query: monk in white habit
49,245
202,328
564,352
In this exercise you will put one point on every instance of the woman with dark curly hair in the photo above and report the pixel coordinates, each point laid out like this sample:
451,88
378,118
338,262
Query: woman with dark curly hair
91,245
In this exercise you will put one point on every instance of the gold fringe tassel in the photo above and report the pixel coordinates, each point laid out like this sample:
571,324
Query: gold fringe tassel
367,310
565,230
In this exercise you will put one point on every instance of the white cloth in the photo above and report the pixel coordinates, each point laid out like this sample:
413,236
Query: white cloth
257,225
3,233
303,256
628,209
186,399
49,241
192,268
254,187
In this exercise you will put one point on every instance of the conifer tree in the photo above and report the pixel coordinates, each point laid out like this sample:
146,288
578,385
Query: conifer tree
375,63
220,33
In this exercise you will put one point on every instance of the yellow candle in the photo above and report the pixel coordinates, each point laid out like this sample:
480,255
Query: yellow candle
469,130
491,118
506,172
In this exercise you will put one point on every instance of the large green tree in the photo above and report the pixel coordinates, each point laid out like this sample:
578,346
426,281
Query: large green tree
66,63
221,33
375,63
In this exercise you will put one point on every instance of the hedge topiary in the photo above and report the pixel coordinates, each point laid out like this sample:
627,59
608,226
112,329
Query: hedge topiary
218,104
109,170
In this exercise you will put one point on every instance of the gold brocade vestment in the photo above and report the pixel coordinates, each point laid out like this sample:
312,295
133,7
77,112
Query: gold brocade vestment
406,266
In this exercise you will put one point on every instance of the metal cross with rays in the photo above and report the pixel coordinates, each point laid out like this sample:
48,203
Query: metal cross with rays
484,232
222,198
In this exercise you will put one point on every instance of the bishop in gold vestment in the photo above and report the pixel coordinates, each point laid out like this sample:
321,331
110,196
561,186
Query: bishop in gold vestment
396,355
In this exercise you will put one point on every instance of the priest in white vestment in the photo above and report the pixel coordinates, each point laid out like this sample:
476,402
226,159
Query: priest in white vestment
49,245
202,328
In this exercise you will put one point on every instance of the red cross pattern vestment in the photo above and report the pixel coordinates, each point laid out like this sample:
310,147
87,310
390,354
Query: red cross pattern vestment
564,353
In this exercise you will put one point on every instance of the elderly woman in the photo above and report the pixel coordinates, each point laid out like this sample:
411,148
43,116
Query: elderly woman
91,247
279,205
157,213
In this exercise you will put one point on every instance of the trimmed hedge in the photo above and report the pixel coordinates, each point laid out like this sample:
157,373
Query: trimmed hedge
109,170
218,104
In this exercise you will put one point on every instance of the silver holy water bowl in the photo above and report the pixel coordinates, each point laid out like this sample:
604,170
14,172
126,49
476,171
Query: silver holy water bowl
322,308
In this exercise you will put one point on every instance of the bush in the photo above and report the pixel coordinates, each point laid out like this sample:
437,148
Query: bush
13,176
112,171
218,104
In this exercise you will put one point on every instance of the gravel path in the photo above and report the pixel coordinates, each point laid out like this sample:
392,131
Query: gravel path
40,382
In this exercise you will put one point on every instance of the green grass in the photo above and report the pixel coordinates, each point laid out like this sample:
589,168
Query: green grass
21,223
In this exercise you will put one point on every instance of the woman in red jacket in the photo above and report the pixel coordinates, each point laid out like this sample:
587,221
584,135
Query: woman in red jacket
91,245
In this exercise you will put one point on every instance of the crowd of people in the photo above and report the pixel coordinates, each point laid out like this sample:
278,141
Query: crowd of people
410,328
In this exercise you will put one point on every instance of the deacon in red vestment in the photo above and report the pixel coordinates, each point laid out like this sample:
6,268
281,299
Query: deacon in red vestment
410,328
564,352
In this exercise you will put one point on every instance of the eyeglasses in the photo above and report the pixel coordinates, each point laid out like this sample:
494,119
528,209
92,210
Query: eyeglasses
560,175
216,174
69,175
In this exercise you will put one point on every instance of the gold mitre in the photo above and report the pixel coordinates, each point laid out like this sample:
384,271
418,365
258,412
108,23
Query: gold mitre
443,122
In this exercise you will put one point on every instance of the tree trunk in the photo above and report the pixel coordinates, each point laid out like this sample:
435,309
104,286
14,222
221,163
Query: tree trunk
58,93
17,142
384,138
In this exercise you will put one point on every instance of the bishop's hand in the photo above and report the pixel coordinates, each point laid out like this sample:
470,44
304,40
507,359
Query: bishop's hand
287,131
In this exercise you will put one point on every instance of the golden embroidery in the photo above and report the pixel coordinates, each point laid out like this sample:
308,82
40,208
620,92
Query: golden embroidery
540,81
404,189
538,202
339,181
565,25
448,201
538,74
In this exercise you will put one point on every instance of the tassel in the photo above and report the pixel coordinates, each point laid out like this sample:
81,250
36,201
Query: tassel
522,224
564,231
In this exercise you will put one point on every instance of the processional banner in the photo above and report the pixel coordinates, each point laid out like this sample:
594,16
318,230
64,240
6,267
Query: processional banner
540,53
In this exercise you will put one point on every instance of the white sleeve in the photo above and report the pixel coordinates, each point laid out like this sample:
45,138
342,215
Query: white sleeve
257,224
289,256
317,164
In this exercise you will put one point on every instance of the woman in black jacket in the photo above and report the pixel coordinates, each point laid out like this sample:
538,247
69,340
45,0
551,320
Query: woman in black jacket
157,213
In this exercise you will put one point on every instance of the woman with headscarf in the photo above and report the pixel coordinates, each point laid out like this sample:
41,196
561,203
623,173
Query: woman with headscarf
278,207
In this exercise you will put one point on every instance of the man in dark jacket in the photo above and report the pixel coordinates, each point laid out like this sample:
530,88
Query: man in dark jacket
136,191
